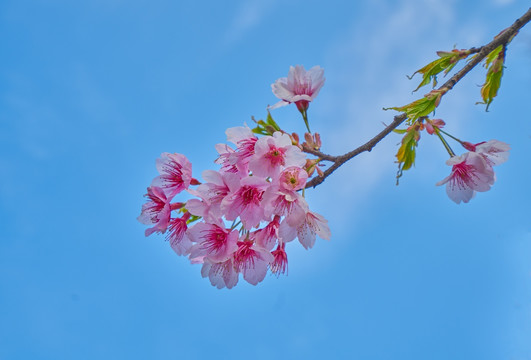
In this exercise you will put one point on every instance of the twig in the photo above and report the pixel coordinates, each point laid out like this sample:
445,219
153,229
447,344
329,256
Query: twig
502,39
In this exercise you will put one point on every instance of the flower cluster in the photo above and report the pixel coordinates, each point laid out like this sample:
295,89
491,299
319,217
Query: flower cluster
257,189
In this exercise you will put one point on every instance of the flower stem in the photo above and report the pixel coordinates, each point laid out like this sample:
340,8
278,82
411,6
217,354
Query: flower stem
447,147
453,137
305,118
234,224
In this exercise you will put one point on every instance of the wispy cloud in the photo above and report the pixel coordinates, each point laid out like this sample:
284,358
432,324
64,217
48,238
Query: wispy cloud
503,2
366,71
249,15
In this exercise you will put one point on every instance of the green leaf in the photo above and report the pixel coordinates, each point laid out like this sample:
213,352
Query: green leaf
400,131
271,122
494,63
407,152
421,107
445,63
268,127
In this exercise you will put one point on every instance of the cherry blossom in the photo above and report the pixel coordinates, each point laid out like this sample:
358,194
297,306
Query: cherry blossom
287,203
246,202
312,224
227,158
245,141
293,178
221,274
280,260
273,153
175,174
156,211
211,192
495,152
177,236
268,235
300,87
470,173
252,261
212,241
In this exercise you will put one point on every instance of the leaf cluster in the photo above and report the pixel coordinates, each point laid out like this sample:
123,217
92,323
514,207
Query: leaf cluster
494,63
407,152
421,107
446,62
267,127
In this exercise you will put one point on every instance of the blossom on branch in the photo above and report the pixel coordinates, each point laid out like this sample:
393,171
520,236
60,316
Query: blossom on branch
495,152
273,153
177,235
300,87
175,174
470,173
258,187
156,211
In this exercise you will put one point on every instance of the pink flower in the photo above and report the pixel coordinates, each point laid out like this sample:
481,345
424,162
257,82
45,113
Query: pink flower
252,261
175,174
156,211
227,158
282,202
179,241
246,202
495,152
244,139
313,224
470,173
293,178
212,193
267,236
280,260
300,87
273,153
213,241
221,274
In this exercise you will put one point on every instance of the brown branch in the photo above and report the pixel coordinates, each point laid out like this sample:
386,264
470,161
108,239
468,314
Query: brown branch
319,154
502,39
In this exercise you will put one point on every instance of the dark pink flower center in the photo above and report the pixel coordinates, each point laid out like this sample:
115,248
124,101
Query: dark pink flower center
215,240
303,88
244,257
276,156
156,206
280,262
177,228
246,148
463,175
173,176
250,195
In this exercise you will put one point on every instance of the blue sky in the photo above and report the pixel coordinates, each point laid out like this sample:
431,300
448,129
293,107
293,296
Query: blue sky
92,92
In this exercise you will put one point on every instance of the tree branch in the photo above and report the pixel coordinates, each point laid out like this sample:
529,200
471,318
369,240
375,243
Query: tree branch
502,39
